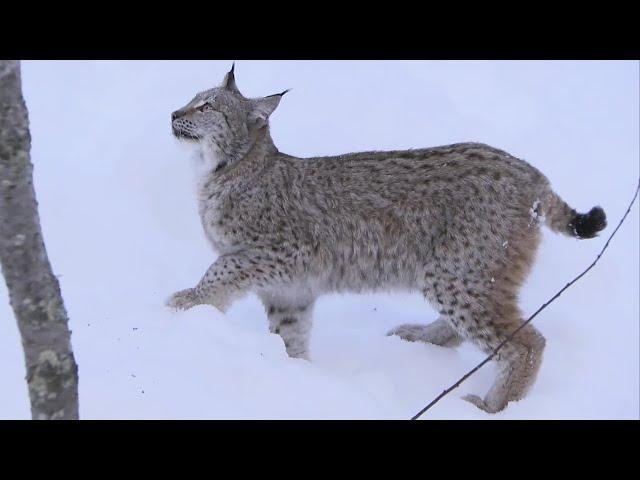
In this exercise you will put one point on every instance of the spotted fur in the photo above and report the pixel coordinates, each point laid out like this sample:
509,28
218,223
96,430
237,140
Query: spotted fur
458,223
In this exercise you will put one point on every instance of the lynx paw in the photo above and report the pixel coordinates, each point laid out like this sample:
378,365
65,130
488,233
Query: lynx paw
182,300
410,333
483,405
436,333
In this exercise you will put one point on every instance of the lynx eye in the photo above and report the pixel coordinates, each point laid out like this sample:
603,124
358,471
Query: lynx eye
206,107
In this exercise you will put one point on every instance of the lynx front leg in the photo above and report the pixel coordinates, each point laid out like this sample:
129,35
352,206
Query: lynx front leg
229,278
291,319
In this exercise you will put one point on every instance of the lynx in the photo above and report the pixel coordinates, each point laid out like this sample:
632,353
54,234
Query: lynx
459,223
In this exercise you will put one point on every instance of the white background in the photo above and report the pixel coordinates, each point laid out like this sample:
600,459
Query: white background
118,210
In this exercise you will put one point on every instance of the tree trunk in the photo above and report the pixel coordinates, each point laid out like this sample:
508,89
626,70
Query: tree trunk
34,292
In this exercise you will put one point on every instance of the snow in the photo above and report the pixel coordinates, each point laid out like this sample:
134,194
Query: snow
118,209
537,216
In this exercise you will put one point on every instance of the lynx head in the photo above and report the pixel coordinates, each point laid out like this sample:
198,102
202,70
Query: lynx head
223,122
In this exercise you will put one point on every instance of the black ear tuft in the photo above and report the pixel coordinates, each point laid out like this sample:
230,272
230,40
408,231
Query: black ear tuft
279,94
229,82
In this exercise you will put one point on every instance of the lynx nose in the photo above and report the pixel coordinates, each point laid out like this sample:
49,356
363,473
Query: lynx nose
177,114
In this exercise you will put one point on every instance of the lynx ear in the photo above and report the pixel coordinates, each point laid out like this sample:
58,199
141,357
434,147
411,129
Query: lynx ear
262,108
229,82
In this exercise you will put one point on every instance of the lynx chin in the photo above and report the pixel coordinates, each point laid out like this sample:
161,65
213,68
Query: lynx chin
459,223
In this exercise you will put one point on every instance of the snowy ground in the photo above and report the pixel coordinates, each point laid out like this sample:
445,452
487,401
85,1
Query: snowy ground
119,216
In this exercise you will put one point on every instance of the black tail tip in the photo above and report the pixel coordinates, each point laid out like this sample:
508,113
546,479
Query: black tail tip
587,225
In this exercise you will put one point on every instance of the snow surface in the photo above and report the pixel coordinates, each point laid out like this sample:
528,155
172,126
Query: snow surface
118,210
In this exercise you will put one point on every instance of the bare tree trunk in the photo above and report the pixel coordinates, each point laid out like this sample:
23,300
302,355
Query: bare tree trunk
52,373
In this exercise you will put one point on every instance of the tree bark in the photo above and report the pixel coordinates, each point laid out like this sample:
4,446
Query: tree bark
34,292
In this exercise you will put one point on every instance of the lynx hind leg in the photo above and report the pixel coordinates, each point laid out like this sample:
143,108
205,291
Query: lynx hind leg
519,362
487,313
438,333
291,318
487,322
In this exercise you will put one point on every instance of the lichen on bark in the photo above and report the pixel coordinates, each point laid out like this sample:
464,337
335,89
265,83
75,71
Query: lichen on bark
34,291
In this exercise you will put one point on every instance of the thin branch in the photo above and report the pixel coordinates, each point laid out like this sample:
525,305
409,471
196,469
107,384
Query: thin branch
506,340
